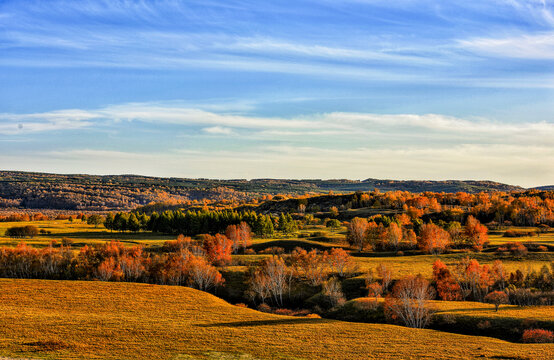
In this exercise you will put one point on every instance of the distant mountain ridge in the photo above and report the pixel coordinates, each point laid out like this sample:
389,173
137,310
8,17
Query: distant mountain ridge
119,192
544,187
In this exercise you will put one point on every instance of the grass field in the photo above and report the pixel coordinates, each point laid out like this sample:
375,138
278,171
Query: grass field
80,233
485,311
96,320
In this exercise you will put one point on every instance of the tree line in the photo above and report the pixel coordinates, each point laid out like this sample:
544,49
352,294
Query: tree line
192,223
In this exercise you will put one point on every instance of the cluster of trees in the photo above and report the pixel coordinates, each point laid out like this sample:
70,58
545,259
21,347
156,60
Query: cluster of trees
273,279
401,233
111,262
126,222
469,280
200,222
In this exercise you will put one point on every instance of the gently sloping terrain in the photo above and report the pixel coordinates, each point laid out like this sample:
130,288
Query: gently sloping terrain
97,320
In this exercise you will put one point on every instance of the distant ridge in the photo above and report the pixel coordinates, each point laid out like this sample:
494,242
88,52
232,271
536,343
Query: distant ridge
544,187
33,190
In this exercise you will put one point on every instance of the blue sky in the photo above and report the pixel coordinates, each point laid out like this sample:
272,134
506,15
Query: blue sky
286,89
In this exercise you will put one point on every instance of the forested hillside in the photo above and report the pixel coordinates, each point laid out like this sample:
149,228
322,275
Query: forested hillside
125,192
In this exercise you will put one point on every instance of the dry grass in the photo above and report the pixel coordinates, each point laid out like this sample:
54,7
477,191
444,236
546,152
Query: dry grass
81,233
95,320
542,238
483,310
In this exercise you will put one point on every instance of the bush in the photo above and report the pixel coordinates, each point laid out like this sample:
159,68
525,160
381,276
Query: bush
274,250
519,233
538,336
263,307
516,249
333,224
22,231
289,312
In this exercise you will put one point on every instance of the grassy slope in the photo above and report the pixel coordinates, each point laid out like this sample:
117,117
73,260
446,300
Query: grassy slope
484,311
92,320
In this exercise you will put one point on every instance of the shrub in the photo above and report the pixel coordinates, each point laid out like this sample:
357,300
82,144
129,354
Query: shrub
67,241
263,307
519,233
333,224
289,312
484,324
274,250
538,336
516,249
22,231
313,316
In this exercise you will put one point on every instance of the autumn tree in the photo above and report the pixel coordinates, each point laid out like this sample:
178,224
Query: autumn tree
357,232
447,287
340,262
497,298
218,249
203,276
240,236
310,265
474,279
271,280
392,236
408,302
476,233
433,239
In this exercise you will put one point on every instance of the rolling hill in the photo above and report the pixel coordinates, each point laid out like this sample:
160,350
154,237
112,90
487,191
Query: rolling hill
98,320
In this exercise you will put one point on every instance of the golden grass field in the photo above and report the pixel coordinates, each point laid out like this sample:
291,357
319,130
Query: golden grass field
81,233
483,311
97,320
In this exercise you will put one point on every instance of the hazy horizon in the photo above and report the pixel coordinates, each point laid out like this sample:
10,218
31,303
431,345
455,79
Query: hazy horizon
306,90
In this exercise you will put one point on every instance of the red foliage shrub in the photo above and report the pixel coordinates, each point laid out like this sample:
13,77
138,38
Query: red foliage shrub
538,336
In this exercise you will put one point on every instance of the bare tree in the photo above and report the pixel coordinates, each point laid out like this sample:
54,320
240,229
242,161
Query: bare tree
408,302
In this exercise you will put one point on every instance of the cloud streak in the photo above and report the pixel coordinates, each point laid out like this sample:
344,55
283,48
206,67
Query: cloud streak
434,128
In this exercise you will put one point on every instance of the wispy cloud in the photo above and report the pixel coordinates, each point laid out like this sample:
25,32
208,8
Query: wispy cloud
537,46
431,127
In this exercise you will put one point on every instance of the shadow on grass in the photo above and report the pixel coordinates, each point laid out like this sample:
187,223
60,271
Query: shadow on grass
111,235
266,322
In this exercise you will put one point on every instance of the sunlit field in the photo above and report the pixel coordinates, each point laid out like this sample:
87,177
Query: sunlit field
80,232
97,320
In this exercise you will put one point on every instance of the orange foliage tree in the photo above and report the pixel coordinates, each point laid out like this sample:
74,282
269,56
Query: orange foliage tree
218,249
240,235
476,233
433,239
357,232
447,287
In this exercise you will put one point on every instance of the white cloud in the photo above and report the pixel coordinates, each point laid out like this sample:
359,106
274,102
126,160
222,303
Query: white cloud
528,46
434,127
218,130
